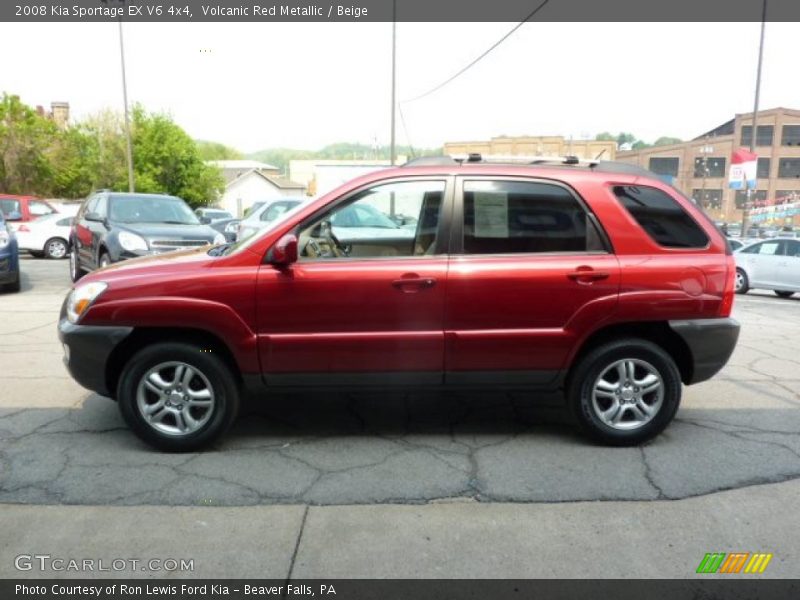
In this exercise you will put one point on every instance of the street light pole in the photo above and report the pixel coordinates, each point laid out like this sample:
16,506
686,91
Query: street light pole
127,116
755,111
392,148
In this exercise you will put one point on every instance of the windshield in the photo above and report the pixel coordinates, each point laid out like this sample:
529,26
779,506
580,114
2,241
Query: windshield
150,209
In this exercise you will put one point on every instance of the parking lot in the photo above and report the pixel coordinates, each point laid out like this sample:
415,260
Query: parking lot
60,444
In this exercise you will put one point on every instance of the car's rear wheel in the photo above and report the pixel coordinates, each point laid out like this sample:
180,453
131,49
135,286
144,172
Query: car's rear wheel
176,397
105,260
75,270
625,392
36,253
56,248
741,284
784,293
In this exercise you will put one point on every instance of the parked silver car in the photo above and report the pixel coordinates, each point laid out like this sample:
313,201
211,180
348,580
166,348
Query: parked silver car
772,264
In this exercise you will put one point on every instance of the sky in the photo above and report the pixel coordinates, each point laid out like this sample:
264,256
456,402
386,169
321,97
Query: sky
305,85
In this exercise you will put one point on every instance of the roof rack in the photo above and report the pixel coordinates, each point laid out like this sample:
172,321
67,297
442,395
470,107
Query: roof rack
607,166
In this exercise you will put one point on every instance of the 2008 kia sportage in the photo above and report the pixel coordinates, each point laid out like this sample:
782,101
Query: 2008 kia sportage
595,278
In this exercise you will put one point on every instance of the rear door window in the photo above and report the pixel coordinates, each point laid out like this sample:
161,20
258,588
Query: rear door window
661,217
511,217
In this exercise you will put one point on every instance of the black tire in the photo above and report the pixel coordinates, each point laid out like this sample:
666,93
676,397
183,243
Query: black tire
36,253
75,270
783,293
104,260
587,372
12,287
742,284
56,248
211,366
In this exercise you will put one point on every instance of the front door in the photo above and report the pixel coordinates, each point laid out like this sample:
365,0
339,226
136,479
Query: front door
530,269
364,303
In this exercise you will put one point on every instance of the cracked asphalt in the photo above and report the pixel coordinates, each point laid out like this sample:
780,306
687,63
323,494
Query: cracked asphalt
60,444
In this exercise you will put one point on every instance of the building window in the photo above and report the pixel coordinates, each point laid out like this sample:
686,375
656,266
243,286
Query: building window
762,171
789,167
764,135
708,199
661,217
709,167
787,196
791,135
664,166
758,198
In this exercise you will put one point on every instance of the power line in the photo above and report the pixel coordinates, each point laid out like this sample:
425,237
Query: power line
481,56
405,130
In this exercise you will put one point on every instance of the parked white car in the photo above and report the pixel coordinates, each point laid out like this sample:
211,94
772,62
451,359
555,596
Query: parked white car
772,264
46,236
265,213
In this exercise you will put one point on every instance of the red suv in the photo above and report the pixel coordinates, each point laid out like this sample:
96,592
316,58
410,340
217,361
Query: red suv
24,208
595,278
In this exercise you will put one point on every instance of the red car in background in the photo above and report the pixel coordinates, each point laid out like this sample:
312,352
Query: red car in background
29,208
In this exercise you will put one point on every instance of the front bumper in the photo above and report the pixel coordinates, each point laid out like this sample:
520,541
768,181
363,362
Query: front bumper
711,343
87,349
9,263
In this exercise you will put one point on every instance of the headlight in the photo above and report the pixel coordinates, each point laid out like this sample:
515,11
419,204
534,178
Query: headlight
81,298
131,242
232,227
219,239
5,238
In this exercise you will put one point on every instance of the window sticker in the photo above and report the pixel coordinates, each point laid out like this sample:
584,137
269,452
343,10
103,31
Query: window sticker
491,214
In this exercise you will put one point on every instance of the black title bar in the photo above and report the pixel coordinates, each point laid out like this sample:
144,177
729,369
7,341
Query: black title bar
262,11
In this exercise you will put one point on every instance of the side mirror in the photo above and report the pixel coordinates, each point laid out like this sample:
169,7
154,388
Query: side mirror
14,215
205,220
284,252
93,216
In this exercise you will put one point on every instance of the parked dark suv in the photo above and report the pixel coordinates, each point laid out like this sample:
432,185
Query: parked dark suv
112,226
597,279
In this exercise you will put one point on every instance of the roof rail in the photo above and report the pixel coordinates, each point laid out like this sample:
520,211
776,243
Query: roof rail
608,166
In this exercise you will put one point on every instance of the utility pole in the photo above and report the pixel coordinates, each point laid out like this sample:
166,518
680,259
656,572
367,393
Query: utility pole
392,148
748,201
127,116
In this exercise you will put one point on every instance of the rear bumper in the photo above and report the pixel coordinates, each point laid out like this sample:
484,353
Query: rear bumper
86,352
711,343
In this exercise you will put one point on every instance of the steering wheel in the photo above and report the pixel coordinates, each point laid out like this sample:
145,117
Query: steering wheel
330,247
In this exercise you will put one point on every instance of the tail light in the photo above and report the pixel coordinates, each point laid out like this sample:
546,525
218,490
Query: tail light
726,306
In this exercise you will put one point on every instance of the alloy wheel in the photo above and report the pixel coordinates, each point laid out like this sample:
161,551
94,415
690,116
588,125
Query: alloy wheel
175,398
628,394
56,249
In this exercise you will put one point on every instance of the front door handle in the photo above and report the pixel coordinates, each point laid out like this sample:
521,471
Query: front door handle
413,283
587,275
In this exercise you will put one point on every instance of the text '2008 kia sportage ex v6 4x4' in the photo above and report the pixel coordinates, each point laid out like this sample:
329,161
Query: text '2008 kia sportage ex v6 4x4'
597,279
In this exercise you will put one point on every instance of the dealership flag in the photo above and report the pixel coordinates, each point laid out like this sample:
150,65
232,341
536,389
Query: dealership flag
744,165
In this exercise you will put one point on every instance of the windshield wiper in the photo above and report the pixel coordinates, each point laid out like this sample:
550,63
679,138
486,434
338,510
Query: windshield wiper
220,250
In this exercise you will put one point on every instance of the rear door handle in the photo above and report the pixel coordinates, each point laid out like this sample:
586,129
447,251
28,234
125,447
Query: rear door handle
413,284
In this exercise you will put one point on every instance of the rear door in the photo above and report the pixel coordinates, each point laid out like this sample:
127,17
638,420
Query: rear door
530,269
787,273
761,261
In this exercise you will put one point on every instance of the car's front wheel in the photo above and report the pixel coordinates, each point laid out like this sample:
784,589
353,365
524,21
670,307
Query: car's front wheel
625,392
784,293
75,270
178,397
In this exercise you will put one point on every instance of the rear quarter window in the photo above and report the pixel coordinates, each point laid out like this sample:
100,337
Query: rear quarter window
662,218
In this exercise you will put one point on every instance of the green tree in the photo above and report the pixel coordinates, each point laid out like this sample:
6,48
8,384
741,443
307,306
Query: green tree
166,160
75,159
666,141
216,151
25,137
